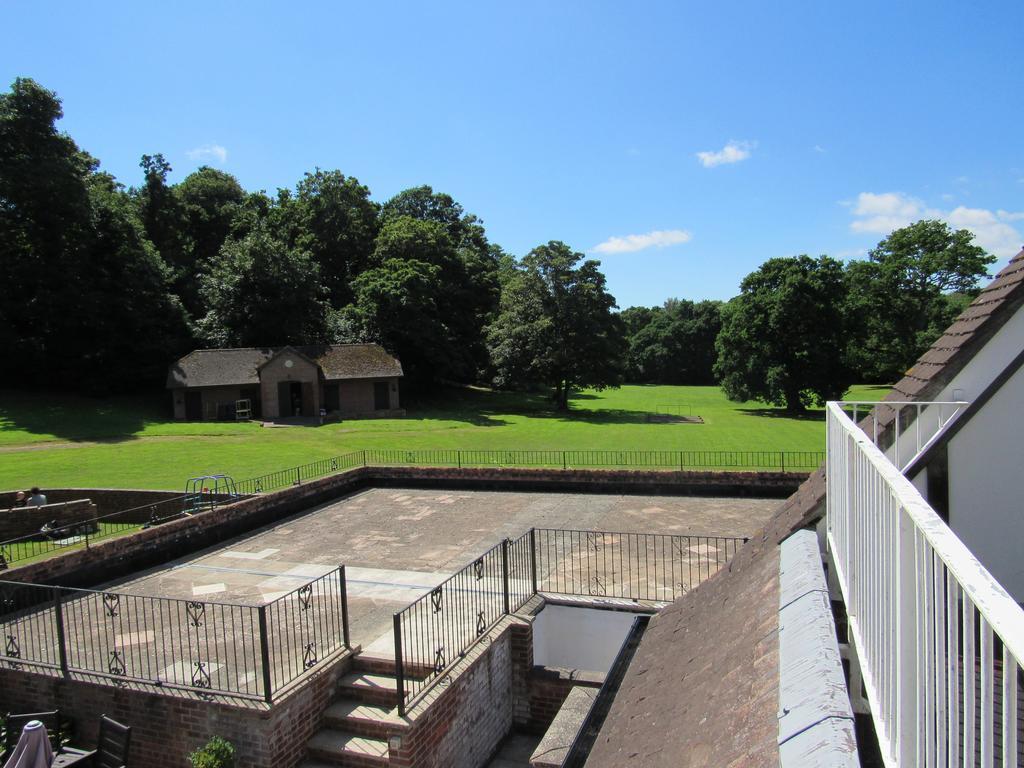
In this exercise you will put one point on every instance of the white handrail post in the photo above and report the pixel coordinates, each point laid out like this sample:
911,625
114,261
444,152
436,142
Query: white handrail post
907,725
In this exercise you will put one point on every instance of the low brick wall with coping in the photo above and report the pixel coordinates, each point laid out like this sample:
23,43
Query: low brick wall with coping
167,726
106,500
27,520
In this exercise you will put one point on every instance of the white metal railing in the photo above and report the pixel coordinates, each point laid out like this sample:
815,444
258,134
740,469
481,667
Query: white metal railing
912,433
939,641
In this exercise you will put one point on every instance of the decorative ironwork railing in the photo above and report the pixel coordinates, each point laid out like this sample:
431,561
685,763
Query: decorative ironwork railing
433,633
939,641
238,650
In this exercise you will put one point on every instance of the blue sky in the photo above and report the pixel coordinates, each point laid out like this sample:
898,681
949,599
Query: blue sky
681,143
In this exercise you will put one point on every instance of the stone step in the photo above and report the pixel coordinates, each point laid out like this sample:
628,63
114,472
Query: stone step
368,688
342,748
372,720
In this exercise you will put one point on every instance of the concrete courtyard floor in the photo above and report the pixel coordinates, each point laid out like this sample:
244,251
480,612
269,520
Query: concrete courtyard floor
396,545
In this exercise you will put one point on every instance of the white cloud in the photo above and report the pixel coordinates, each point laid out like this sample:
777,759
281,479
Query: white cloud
882,213
208,152
733,152
819,149
632,243
990,230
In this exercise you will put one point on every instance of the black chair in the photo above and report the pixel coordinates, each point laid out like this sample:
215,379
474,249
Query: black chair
15,724
110,752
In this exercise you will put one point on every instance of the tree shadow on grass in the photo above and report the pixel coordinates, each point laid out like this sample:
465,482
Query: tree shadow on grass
485,408
75,418
782,413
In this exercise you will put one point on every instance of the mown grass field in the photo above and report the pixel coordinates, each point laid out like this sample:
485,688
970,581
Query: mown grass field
130,442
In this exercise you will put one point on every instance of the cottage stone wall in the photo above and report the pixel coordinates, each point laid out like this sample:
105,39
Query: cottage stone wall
277,370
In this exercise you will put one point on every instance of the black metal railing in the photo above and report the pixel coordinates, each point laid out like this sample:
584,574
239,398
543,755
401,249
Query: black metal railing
297,475
433,633
237,650
783,461
83,533
634,566
439,628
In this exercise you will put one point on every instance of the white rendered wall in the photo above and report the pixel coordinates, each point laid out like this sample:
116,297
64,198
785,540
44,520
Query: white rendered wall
986,492
579,638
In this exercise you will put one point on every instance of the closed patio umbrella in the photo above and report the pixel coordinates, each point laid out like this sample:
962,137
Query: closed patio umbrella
33,749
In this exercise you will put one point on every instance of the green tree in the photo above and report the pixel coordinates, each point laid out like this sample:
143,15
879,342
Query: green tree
260,292
470,271
124,285
44,219
913,285
163,216
331,217
407,300
783,338
673,344
556,325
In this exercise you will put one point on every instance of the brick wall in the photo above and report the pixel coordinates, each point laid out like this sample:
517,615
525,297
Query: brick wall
547,689
667,482
466,720
166,727
25,521
116,557
107,500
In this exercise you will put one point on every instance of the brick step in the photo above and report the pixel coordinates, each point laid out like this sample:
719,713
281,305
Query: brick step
385,665
378,722
332,747
369,688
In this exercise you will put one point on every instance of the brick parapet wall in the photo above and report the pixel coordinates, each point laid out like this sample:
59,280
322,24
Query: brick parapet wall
166,727
687,483
117,557
27,520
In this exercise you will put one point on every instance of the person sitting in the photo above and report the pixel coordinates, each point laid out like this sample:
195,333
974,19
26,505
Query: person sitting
20,499
38,498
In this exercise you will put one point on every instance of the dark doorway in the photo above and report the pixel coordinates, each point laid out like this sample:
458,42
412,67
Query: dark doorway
381,398
289,399
306,398
194,406
332,400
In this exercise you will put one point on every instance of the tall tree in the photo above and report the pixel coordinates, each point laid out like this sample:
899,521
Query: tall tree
556,325
910,289
260,292
782,339
165,222
471,278
673,344
44,219
331,217
124,285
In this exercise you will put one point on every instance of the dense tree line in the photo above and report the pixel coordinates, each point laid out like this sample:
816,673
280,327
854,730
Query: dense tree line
104,285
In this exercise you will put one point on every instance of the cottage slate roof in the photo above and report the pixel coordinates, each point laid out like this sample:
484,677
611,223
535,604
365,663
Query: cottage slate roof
240,367
703,686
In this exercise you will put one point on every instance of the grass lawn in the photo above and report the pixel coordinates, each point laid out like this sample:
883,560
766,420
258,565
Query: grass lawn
130,442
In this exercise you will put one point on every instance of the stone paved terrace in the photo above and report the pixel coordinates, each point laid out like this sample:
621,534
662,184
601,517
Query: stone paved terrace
396,544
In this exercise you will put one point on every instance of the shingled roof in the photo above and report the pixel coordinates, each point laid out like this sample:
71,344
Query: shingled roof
703,687
240,367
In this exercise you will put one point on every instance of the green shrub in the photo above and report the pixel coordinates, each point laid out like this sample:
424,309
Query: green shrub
216,753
